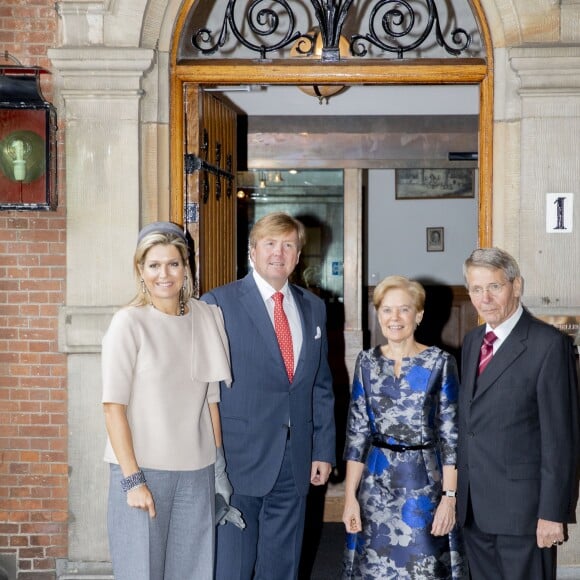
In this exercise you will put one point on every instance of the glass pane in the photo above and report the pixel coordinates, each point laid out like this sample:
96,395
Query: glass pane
315,197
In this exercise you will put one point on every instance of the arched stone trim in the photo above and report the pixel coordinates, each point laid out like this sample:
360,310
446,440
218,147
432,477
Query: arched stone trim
150,24
502,19
160,19
159,22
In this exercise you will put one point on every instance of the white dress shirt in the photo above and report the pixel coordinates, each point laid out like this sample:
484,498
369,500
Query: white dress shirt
290,308
502,330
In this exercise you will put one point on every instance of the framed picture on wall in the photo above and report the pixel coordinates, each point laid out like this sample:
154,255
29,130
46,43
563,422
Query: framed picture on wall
434,183
435,239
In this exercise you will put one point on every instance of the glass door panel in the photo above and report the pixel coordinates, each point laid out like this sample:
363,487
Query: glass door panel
315,197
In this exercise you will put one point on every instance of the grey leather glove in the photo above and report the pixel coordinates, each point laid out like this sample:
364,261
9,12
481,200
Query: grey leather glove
234,516
222,483
223,491
225,513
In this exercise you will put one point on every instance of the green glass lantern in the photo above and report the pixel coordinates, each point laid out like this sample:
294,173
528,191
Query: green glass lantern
27,141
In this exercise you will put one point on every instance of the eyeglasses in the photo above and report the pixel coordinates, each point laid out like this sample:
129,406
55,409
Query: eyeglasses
494,289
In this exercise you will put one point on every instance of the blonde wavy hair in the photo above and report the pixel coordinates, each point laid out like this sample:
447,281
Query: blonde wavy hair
167,239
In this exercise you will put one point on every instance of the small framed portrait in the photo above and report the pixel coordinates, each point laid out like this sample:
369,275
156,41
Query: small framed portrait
435,239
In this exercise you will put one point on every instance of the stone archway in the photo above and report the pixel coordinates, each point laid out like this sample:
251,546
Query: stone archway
378,72
157,21
504,20
160,21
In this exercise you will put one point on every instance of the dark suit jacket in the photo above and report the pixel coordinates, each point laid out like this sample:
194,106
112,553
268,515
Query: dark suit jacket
518,430
256,410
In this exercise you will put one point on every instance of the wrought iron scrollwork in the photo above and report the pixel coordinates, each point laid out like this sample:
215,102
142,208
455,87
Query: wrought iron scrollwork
331,16
398,22
394,26
263,22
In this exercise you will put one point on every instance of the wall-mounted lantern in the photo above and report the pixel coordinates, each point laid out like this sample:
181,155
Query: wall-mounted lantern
27,141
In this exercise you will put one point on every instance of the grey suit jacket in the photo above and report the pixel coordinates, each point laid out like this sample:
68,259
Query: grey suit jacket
261,403
518,430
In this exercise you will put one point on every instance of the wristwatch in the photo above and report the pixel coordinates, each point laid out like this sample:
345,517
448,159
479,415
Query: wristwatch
450,493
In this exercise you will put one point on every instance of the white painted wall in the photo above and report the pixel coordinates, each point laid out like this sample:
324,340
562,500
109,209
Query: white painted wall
396,237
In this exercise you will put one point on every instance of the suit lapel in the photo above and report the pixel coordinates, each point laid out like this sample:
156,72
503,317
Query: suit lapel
305,311
472,360
512,348
252,302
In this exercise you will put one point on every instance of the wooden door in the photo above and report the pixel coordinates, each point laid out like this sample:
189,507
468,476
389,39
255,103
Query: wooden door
210,185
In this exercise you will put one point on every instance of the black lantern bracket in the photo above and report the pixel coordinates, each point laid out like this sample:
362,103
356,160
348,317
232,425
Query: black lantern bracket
28,127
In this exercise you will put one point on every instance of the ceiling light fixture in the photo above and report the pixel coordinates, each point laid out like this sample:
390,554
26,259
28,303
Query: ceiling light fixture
312,46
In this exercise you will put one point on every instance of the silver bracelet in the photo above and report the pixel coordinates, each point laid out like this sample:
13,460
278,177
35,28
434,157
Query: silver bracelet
134,480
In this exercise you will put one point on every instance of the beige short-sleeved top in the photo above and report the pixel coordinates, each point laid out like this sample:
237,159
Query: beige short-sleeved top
166,369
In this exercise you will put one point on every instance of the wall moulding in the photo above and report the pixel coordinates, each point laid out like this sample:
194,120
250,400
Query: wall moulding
83,21
81,328
108,69
550,69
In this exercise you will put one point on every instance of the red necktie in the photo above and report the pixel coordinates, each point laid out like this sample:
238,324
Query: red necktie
486,350
283,334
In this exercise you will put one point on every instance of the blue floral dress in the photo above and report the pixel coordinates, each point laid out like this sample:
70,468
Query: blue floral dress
400,490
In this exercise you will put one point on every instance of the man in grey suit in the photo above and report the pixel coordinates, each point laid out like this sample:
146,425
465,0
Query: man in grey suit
518,429
278,416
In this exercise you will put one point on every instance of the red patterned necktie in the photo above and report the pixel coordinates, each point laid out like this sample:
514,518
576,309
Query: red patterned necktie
486,350
283,334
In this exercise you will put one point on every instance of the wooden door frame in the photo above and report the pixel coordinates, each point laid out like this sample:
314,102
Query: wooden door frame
448,71
423,72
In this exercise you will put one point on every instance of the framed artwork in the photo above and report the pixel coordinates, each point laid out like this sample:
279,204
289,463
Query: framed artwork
435,239
434,183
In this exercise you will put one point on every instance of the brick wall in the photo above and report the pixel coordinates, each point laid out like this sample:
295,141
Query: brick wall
33,406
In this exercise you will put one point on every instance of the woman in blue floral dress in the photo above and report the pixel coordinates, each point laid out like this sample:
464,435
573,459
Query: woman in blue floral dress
400,450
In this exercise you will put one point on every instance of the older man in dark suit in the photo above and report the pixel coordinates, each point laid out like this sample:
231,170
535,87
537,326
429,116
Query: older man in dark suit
518,429
278,417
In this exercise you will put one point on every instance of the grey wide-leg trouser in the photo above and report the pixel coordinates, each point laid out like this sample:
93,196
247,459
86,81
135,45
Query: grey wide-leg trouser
178,544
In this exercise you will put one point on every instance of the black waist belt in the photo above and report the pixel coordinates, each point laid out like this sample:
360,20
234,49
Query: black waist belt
376,442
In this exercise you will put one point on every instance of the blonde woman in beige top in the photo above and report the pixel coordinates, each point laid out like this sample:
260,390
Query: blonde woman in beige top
162,359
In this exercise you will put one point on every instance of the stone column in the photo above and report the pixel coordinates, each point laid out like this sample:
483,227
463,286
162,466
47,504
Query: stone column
100,92
549,90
